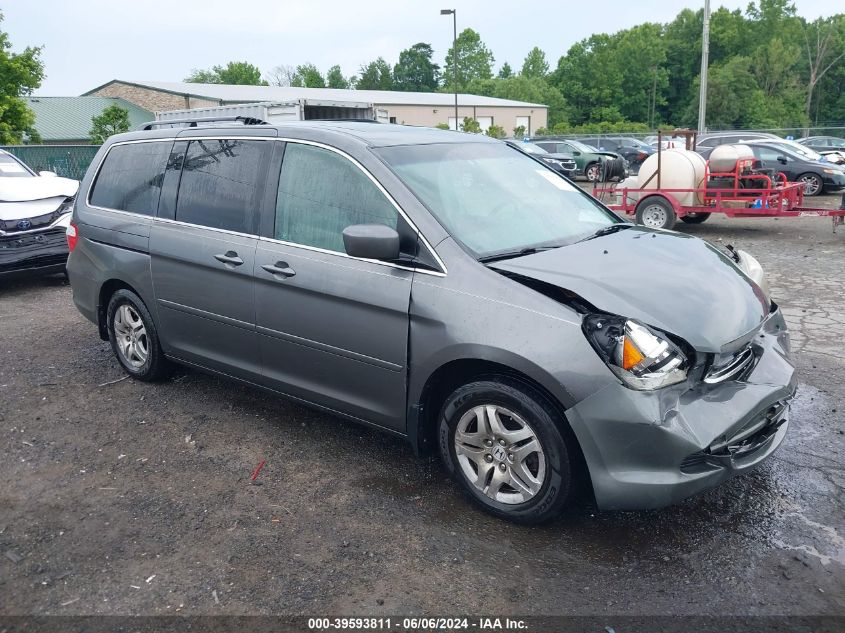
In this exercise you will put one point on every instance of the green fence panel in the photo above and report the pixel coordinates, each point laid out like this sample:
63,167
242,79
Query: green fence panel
69,161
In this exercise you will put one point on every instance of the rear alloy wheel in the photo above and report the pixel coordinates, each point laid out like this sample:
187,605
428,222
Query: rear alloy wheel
812,184
593,172
503,444
656,213
695,218
134,338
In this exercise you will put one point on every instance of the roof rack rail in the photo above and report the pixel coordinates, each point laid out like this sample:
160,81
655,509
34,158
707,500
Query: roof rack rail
345,120
246,120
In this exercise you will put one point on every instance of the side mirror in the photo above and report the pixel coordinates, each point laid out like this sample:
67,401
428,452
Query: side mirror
782,160
371,241
576,153
47,173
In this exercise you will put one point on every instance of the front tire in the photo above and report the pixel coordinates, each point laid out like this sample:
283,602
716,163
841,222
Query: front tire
593,172
813,184
503,443
134,338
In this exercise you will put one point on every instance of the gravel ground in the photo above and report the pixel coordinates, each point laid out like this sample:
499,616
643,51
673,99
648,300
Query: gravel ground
121,497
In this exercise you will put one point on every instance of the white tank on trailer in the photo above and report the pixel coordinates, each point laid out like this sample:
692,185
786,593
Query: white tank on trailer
723,159
679,169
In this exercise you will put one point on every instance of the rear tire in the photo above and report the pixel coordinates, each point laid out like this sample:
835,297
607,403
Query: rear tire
695,218
134,338
655,212
503,443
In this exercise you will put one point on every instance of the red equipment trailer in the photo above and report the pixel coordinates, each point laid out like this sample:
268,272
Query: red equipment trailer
659,207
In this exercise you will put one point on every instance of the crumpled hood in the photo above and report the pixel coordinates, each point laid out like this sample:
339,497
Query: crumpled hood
674,282
36,188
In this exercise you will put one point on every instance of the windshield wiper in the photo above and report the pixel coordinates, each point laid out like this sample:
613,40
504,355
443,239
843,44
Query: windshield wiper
607,230
495,257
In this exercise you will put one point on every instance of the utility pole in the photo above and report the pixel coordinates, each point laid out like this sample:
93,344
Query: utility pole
454,14
705,54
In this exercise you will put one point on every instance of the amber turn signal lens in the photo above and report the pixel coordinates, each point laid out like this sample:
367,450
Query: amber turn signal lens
631,356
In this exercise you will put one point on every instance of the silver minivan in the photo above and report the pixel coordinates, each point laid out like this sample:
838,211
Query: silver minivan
443,287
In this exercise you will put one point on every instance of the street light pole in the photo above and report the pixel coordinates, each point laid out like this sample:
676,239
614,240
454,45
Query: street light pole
705,53
454,14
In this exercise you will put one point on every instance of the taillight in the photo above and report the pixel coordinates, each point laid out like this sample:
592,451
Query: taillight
72,236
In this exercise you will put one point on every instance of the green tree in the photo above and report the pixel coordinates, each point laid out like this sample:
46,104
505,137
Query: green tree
112,120
524,89
505,72
470,125
233,73
496,131
519,131
415,72
535,64
375,76
310,76
442,126
20,74
474,61
824,51
335,78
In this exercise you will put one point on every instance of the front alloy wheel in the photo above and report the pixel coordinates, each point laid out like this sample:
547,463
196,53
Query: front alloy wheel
500,454
812,184
508,448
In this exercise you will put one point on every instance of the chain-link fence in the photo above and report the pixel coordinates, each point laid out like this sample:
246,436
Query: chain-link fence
69,161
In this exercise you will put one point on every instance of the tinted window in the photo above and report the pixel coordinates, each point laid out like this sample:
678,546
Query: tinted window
321,193
131,176
222,183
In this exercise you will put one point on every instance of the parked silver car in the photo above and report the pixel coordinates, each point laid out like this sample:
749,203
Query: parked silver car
443,287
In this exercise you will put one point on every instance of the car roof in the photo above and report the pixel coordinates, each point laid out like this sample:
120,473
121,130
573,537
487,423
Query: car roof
369,133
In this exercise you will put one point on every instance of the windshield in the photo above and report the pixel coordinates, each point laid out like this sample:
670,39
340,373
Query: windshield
806,152
578,145
531,148
10,167
495,200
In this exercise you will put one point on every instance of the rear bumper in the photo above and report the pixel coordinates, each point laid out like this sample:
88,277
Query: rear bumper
33,253
652,449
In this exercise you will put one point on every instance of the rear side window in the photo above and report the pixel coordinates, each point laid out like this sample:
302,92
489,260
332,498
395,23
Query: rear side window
222,183
321,193
131,176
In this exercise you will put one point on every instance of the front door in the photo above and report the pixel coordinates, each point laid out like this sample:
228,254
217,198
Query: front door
202,249
333,329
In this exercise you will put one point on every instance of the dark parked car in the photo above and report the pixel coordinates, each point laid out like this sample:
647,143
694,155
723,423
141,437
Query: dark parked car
561,162
632,150
705,143
442,287
593,164
824,143
817,176
34,214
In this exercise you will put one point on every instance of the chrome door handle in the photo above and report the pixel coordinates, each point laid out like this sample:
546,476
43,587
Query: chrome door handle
230,258
279,268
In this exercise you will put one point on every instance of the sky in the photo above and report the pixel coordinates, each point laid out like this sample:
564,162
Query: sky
90,42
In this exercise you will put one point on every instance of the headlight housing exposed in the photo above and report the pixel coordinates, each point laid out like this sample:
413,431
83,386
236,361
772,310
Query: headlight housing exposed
66,206
643,358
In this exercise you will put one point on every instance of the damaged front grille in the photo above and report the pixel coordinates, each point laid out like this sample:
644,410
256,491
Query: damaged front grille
725,450
734,368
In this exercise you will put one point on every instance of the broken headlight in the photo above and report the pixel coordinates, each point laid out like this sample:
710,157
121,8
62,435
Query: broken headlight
640,356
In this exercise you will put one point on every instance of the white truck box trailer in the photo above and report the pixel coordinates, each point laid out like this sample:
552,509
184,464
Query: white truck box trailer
273,112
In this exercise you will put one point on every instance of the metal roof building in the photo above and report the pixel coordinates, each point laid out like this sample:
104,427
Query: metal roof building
68,119
410,108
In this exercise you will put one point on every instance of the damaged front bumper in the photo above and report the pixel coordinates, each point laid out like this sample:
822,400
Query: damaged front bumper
652,449
36,252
